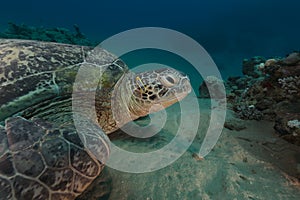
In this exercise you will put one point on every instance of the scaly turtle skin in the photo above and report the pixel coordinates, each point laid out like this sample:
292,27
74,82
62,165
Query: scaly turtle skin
41,153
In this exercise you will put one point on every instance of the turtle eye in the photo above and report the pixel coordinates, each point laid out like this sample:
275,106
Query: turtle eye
168,81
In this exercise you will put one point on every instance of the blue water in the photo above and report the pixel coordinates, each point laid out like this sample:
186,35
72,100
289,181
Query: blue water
229,30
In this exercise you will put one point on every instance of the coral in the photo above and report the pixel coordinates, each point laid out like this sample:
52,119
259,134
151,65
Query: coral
239,86
273,94
287,126
291,84
60,35
270,62
248,112
252,67
293,123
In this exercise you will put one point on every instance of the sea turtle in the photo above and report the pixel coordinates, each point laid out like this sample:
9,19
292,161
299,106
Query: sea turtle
42,155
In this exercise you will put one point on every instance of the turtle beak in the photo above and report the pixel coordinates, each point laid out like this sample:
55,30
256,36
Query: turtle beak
178,97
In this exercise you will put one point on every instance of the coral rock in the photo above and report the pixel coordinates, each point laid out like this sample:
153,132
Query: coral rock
287,125
212,87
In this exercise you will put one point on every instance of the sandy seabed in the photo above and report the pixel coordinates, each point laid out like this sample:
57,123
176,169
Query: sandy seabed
253,163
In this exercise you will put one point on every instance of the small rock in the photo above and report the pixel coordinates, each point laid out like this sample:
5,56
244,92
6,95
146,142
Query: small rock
197,157
235,124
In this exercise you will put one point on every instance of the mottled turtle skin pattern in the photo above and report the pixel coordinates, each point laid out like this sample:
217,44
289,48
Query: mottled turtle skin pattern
42,156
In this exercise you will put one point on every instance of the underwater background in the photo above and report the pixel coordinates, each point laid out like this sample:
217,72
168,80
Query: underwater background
250,161
229,30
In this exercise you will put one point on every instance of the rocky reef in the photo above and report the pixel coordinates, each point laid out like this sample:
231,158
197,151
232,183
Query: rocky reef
269,89
212,87
60,35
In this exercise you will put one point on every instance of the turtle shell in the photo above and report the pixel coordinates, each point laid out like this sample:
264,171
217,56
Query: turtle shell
32,72
42,161
42,156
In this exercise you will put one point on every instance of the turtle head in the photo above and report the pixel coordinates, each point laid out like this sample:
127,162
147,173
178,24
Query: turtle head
157,89
139,94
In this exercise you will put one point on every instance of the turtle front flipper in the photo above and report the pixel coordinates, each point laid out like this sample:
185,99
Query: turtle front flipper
41,161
